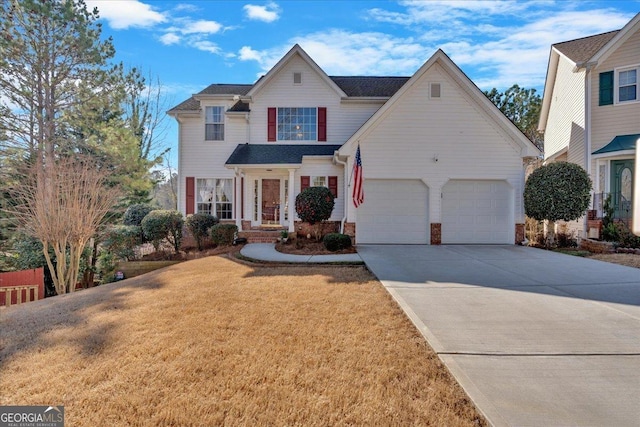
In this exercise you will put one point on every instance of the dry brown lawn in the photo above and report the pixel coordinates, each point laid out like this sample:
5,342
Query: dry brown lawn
630,260
217,342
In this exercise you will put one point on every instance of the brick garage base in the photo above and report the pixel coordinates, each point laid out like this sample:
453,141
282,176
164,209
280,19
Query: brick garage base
519,234
436,233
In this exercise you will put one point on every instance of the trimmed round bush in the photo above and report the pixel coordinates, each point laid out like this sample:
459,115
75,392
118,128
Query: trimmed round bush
135,214
121,240
336,241
223,234
557,191
162,224
314,204
199,225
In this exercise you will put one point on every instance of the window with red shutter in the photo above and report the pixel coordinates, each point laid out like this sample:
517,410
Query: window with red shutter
333,186
272,124
322,123
191,193
305,182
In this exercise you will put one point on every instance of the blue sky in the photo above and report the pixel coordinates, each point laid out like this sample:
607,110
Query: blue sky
188,45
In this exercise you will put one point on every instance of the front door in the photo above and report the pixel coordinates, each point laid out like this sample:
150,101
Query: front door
270,201
622,187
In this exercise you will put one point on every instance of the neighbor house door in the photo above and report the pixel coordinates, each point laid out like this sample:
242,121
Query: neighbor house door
270,201
622,187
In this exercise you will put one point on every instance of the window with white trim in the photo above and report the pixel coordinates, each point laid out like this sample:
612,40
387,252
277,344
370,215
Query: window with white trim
215,197
627,84
214,124
297,124
319,181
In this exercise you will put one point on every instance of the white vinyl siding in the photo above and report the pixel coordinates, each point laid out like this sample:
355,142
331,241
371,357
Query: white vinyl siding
566,123
343,119
455,129
621,118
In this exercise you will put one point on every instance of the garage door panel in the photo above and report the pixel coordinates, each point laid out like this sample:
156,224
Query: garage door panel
477,212
394,211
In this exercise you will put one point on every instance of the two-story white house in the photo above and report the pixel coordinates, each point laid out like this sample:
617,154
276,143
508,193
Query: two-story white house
591,114
441,164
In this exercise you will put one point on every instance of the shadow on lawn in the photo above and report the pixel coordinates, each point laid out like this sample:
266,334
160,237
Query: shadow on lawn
68,318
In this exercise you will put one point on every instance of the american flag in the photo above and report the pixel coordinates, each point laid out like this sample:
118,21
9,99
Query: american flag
358,191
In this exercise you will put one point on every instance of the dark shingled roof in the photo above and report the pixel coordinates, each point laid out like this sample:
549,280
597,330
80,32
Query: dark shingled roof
240,106
620,143
274,154
358,86
369,86
581,50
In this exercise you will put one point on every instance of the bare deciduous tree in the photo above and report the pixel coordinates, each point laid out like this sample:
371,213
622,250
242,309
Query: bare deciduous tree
65,213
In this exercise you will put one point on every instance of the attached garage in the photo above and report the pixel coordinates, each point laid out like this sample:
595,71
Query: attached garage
395,211
477,212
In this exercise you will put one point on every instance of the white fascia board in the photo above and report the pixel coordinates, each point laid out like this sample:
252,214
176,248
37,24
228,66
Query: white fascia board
623,35
614,154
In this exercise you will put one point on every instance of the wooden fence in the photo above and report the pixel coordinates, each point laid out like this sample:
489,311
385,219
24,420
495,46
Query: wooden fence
18,287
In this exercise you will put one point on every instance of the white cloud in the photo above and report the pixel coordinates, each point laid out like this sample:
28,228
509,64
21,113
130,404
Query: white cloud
349,53
206,45
170,38
128,13
200,27
267,13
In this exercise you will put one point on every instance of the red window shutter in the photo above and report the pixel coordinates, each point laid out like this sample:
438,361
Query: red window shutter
322,123
333,186
271,124
305,182
191,193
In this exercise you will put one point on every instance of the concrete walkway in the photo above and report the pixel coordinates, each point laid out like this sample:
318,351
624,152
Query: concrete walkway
535,338
267,252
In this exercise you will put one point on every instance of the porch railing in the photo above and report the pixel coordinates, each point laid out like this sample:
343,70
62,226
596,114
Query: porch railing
622,206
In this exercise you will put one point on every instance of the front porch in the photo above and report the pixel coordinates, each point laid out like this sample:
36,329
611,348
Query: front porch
620,207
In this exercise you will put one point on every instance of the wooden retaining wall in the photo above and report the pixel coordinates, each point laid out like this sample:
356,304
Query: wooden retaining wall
17,287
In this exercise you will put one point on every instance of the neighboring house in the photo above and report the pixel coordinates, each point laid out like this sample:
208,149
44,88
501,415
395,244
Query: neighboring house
591,114
441,163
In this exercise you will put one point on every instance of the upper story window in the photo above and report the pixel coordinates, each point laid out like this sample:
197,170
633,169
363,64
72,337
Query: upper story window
214,124
628,85
296,124
619,86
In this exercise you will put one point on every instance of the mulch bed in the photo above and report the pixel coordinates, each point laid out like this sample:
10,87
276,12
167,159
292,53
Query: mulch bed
302,246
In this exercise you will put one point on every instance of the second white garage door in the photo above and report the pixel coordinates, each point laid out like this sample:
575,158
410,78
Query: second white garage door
394,211
477,212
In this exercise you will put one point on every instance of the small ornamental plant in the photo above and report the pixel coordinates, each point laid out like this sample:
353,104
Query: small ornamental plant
314,204
199,225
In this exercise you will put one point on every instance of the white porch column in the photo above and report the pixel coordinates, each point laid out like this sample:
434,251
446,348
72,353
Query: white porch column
237,203
292,200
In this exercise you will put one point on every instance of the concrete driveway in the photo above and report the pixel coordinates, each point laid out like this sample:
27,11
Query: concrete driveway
535,338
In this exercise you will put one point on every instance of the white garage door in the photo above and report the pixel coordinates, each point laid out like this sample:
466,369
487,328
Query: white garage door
477,212
394,211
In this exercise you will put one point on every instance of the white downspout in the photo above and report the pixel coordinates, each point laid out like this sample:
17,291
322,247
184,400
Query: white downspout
587,135
346,189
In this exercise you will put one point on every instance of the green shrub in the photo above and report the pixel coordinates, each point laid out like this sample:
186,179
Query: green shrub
106,266
314,204
159,225
336,241
557,191
121,240
199,225
223,234
136,213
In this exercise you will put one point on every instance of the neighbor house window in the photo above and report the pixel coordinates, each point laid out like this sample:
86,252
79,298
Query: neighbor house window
627,85
215,197
214,124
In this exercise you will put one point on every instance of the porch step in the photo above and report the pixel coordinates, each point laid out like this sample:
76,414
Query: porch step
261,236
